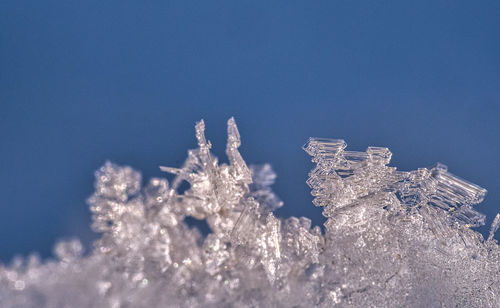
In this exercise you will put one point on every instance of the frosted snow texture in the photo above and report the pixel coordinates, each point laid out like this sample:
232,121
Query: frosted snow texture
393,239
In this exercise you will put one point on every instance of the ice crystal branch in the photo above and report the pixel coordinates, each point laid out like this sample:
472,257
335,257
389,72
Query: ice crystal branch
392,239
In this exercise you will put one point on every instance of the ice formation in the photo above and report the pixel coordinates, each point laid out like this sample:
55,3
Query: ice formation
392,239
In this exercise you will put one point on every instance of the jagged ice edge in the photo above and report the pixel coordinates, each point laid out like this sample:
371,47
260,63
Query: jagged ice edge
386,232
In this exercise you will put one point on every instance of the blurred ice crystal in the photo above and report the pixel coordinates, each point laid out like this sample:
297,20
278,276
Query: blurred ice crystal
392,239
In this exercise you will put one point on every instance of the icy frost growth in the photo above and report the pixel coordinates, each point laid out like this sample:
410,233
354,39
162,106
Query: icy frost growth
393,239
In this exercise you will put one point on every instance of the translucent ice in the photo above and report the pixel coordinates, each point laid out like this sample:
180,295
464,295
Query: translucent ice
392,239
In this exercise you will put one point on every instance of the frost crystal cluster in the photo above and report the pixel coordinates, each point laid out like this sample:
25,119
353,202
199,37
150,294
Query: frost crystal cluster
392,239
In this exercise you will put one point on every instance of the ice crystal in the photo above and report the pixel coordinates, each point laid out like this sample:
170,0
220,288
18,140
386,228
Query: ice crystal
392,239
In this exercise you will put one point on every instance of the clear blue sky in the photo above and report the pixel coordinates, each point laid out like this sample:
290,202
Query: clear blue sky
86,81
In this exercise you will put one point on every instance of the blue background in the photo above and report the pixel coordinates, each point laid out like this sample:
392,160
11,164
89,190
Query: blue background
86,81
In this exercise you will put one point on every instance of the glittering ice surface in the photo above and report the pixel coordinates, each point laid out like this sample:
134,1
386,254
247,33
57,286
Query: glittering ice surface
392,239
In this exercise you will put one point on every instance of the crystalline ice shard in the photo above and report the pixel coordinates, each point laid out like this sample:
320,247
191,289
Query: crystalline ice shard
392,239
494,227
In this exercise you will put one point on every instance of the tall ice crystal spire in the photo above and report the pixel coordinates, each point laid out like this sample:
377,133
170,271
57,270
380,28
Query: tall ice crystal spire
392,239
